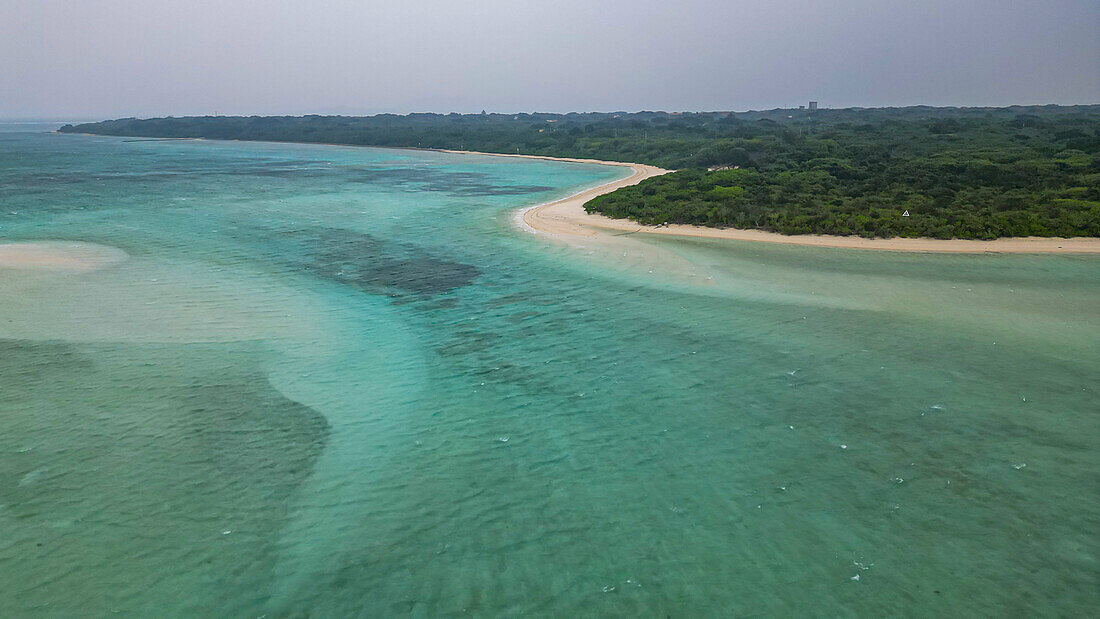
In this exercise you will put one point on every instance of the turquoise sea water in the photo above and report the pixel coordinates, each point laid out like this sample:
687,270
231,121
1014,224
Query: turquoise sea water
336,381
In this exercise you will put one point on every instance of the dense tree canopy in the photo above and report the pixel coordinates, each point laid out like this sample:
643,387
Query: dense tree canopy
958,172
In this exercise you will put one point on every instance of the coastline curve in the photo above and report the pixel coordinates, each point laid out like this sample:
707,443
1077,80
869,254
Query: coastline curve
566,216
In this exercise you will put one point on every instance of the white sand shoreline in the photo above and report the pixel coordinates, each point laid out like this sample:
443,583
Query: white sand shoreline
567,217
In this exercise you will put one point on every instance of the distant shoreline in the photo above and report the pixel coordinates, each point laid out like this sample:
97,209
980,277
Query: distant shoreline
567,217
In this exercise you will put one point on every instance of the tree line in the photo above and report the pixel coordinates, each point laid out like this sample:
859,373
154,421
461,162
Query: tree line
975,173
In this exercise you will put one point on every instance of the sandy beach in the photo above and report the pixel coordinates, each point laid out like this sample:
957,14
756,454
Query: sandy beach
568,217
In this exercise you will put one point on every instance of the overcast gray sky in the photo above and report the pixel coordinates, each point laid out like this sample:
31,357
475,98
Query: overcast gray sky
113,58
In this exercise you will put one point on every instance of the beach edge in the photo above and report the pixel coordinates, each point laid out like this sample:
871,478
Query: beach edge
566,216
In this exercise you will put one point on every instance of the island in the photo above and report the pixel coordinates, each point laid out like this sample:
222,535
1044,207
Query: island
872,173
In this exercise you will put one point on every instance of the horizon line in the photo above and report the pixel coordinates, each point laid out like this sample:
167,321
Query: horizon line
513,113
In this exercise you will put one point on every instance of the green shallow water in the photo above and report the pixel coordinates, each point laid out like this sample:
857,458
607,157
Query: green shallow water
334,381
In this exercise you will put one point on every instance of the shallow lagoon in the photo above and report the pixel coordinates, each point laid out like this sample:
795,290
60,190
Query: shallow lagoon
336,380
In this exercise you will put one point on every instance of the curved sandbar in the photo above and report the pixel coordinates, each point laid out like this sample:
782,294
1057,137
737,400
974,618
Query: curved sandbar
68,256
568,217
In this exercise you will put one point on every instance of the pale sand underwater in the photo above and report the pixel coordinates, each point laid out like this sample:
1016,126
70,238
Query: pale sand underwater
341,381
59,255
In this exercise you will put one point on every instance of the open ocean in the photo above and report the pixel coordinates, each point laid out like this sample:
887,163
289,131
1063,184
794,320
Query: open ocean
333,381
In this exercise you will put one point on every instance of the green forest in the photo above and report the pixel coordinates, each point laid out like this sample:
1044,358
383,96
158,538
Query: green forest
974,173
